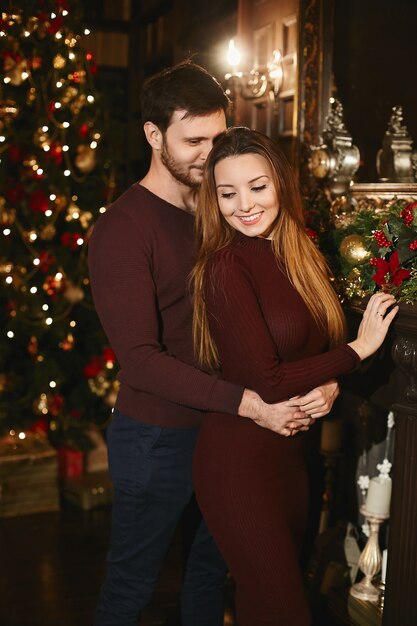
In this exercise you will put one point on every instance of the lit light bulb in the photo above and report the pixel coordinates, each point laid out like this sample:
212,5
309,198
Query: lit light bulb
48,213
45,307
39,171
52,384
67,173
57,105
9,280
36,261
93,145
48,321
64,12
45,129
233,55
65,148
10,334
71,56
59,84
6,231
46,147
33,289
26,33
86,31
25,75
80,241
58,35
33,236
65,124
7,80
73,324
102,209
90,98
52,197
2,138
58,276
22,435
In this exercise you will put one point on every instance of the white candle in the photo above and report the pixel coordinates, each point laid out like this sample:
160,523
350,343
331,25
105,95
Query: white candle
384,565
378,498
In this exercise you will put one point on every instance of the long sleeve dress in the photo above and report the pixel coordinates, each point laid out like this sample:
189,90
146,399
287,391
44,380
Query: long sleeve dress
251,483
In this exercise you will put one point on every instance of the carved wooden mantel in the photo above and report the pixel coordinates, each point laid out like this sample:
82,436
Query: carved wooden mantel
401,584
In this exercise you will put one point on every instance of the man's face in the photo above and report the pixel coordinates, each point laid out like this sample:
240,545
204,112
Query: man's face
186,145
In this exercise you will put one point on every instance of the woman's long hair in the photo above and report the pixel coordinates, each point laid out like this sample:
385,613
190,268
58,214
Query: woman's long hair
295,252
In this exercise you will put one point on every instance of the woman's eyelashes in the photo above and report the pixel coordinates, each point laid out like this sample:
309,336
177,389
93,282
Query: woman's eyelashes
231,194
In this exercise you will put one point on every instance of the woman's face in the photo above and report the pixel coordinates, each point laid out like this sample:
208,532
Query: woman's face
246,193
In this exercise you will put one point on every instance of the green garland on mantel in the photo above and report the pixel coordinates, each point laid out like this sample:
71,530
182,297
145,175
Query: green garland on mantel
367,249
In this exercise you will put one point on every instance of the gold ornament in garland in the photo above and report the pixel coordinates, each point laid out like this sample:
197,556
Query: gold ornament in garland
353,249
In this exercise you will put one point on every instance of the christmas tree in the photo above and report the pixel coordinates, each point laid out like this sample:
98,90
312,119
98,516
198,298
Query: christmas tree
57,373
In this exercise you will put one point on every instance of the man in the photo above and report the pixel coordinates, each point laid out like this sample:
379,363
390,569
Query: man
141,253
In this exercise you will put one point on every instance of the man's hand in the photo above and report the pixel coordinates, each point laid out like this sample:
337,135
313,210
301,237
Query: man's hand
317,402
283,418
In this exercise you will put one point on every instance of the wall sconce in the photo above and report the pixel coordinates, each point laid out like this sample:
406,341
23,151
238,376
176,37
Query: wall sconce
259,81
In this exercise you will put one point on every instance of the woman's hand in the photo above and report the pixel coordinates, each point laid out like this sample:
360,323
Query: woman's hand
317,402
375,324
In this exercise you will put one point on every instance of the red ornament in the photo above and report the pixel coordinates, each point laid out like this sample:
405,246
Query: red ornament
407,214
389,272
38,201
15,154
312,234
109,355
45,261
381,239
55,152
55,25
55,405
69,240
40,426
84,130
93,367
15,192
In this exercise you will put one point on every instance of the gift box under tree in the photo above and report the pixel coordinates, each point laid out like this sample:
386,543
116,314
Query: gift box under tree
28,475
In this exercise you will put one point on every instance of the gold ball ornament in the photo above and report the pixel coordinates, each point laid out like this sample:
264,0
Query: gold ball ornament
41,405
47,233
353,249
7,216
73,293
59,62
85,159
67,343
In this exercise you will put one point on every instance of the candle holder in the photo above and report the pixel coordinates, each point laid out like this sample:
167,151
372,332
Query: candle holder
369,560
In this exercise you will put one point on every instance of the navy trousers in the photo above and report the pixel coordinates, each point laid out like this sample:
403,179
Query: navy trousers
151,470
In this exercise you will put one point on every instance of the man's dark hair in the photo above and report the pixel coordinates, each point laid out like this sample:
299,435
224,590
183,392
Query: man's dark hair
186,86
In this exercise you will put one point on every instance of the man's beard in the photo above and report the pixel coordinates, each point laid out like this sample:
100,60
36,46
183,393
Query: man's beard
182,175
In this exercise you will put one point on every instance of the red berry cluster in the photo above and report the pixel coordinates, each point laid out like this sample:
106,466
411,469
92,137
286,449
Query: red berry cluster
408,216
373,262
413,245
381,239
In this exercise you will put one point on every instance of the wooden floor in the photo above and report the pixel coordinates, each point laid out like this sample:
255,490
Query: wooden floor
52,566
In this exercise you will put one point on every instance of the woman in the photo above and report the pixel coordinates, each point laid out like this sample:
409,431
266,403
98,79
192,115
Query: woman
265,312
